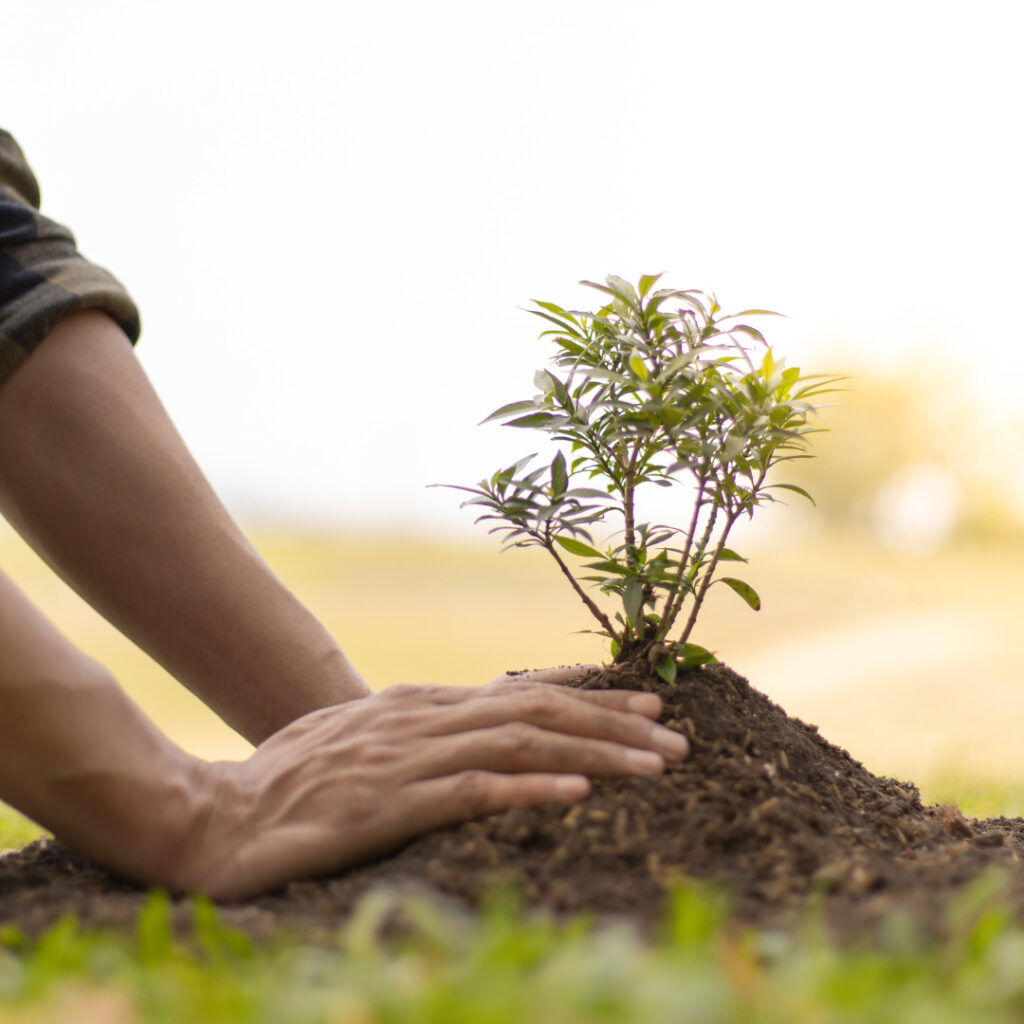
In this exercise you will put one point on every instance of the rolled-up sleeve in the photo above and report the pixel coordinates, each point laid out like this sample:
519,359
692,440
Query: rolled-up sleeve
43,277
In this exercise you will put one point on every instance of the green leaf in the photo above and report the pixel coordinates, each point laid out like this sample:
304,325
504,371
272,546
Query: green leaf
558,323
537,419
667,670
692,655
790,376
751,312
544,382
608,566
745,590
797,490
621,287
728,555
559,477
647,282
638,366
752,332
588,492
616,295
633,600
508,410
577,547
673,366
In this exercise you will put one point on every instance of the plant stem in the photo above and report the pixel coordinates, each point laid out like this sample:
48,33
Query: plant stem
668,616
629,516
594,610
698,597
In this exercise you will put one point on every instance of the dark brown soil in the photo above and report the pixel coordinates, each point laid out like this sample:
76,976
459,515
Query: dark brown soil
764,805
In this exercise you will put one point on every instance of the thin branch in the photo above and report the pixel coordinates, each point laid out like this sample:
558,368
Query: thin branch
698,597
713,564
548,544
684,558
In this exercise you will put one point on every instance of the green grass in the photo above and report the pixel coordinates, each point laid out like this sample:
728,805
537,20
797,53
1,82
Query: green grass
15,829
507,969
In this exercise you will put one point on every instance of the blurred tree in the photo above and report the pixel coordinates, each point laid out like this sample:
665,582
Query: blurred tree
917,458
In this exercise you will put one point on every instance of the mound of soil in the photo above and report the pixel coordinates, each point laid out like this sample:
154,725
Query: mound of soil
764,805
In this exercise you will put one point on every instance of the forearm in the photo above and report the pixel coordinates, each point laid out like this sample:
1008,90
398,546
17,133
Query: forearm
78,757
94,475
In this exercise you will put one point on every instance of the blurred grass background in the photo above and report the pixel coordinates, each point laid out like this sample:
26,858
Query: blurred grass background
890,619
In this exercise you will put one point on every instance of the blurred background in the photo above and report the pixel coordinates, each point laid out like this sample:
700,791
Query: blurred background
332,216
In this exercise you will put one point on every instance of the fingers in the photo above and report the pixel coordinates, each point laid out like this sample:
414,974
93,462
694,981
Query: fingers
518,748
449,800
552,710
646,704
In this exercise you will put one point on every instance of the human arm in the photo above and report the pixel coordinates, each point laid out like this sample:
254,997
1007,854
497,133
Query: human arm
77,756
95,476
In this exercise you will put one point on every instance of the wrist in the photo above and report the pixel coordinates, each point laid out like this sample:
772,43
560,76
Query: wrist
210,836
142,825
89,766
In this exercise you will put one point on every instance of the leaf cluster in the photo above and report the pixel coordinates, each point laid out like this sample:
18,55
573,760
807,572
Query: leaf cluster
655,388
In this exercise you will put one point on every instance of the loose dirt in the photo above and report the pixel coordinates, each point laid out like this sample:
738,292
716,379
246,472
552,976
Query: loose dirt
765,806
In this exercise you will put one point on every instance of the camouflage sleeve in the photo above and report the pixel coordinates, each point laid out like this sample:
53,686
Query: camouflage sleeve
42,275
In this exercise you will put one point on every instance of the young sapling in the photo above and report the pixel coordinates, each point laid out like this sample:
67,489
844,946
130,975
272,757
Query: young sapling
653,389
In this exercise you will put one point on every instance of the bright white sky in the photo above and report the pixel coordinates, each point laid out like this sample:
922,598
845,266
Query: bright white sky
331,212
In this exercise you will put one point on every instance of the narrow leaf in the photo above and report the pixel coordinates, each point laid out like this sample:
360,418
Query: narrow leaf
537,419
577,547
607,567
693,655
796,489
559,477
633,599
544,382
751,312
647,281
558,323
638,366
667,670
728,555
508,410
745,590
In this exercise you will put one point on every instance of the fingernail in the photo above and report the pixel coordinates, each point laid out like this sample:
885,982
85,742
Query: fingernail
644,704
671,743
646,761
572,787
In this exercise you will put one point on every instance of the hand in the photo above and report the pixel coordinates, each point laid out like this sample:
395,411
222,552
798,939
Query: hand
345,783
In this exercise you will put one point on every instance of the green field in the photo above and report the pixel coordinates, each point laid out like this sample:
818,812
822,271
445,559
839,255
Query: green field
508,969
910,663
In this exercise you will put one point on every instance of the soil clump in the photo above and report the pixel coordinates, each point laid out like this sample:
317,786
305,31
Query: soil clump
764,805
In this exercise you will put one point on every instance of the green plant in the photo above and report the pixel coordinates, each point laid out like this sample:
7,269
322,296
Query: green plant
655,388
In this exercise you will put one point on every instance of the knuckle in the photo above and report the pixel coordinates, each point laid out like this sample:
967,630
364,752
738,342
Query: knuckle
520,738
402,691
472,791
538,701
